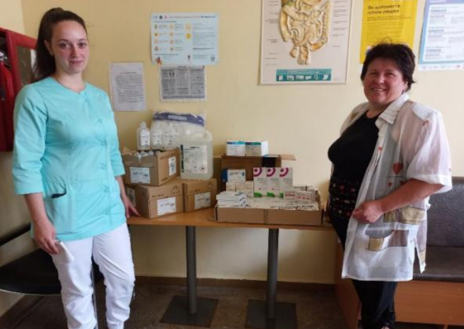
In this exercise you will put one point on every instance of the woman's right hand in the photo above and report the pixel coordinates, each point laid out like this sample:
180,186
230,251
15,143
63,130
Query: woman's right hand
45,236
44,232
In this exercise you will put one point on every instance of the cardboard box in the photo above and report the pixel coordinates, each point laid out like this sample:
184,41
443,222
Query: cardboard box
249,189
270,216
259,182
248,163
256,148
273,182
233,176
199,194
235,148
286,180
157,201
246,187
153,169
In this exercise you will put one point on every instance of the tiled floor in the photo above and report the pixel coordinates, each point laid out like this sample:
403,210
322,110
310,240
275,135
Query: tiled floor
315,310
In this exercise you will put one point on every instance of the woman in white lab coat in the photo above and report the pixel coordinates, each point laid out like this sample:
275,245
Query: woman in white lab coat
391,156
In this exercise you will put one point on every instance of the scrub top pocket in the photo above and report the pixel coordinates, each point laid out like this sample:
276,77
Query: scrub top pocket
58,207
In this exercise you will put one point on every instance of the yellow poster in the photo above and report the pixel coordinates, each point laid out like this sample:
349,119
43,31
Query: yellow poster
387,21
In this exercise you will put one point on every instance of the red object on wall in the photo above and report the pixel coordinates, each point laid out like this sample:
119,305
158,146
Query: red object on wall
15,72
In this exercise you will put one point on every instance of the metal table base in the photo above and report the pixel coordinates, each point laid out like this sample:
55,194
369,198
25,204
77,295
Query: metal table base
269,314
178,312
190,310
285,316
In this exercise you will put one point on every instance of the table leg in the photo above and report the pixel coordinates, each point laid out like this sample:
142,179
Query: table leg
190,310
272,264
191,269
270,314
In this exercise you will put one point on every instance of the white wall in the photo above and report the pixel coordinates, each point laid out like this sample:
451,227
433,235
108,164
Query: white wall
303,120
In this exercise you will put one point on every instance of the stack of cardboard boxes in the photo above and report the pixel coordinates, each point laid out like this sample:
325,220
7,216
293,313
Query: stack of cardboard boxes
154,187
269,179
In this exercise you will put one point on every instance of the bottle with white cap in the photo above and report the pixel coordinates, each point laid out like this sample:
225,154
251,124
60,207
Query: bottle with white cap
143,137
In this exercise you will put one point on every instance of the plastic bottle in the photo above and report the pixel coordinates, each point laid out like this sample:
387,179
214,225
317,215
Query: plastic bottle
156,132
196,152
143,137
170,136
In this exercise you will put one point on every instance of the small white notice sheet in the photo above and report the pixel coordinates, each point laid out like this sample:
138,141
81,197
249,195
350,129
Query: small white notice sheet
127,87
182,83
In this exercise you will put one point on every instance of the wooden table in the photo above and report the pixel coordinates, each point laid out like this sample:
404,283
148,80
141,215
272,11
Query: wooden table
191,310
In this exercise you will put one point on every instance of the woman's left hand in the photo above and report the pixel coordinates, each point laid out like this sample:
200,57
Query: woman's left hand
368,212
128,206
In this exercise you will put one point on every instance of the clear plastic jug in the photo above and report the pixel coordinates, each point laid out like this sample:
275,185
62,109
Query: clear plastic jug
143,137
196,155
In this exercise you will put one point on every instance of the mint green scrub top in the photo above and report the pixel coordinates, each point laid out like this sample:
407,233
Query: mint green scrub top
66,147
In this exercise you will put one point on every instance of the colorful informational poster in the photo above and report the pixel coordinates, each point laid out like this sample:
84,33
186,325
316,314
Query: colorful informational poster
305,41
442,44
387,21
184,38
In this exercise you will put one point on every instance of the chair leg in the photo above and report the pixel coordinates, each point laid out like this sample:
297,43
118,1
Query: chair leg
94,297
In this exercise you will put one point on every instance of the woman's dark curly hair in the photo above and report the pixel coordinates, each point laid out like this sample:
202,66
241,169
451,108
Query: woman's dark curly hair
401,54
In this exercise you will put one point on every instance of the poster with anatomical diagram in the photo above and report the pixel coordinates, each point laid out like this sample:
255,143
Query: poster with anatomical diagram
304,41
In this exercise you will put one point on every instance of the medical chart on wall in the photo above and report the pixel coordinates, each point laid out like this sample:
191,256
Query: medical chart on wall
304,41
127,87
184,38
182,83
442,44
387,21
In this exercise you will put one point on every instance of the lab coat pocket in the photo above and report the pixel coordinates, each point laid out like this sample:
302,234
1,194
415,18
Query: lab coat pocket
386,249
58,206
412,216
387,239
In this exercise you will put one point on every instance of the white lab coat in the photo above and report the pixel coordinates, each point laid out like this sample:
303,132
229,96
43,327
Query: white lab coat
412,144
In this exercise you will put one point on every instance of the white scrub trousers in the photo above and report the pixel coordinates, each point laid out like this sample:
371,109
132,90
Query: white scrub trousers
112,252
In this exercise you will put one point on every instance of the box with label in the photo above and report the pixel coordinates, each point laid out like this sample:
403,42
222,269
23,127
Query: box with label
273,182
235,148
246,188
249,189
153,170
199,194
256,148
230,187
233,176
285,180
249,162
260,182
286,214
157,201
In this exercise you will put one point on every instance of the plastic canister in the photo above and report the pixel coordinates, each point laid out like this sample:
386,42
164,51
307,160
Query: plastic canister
156,133
196,152
143,137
